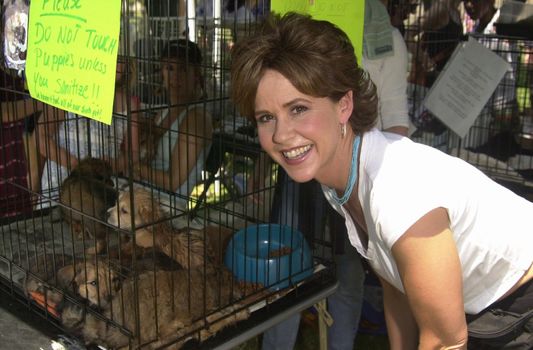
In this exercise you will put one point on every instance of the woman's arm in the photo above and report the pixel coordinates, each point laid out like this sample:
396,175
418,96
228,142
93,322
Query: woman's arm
19,109
195,131
401,325
121,163
428,262
389,75
47,132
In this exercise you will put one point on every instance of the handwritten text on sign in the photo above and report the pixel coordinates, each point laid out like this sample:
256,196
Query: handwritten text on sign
72,55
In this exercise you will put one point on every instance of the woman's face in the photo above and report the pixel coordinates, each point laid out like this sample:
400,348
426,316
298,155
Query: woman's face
180,80
298,131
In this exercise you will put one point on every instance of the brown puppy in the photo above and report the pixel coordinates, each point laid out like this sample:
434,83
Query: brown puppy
171,304
87,193
185,246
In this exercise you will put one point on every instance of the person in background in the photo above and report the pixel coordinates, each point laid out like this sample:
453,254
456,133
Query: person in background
65,138
447,242
385,59
19,164
432,39
184,129
442,30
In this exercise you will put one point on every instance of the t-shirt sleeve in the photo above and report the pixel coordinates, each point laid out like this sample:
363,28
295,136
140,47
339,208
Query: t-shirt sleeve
403,199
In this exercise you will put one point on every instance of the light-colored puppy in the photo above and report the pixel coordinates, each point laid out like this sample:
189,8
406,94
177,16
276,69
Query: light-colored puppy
171,304
152,230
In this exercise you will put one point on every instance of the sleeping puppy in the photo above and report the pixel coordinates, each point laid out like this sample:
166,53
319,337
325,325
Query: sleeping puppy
171,304
51,277
185,246
87,193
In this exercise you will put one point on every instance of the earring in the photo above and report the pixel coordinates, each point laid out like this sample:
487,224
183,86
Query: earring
343,130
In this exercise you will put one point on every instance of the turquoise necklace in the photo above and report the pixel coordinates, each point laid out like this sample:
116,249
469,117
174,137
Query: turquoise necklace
352,178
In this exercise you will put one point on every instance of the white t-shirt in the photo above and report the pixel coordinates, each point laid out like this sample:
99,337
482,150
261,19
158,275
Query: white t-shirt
400,181
82,137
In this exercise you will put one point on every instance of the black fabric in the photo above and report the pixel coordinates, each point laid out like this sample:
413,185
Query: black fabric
506,324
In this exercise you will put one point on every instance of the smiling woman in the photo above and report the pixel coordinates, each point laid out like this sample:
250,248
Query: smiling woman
297,129
455,248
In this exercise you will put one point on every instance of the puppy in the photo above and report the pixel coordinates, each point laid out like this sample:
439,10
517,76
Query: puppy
171,304
87,193
185,246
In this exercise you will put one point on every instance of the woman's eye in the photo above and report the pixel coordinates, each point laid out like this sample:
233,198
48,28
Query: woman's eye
299,109
123,211
264,118
93,283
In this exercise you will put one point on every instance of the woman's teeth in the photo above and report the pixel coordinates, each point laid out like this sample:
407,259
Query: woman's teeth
297,152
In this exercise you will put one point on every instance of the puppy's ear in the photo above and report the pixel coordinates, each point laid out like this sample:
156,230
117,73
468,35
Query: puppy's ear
145,213
66,275
149,212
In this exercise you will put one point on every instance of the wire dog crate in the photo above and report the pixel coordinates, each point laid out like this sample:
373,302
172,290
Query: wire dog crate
121,253
498,142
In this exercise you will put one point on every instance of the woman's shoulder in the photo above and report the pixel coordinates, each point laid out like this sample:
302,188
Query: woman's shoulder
196,118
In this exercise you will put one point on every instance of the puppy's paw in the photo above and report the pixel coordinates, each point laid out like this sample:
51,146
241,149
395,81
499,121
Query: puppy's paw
72,315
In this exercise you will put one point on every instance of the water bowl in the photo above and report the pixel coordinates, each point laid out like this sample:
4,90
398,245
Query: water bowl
275,256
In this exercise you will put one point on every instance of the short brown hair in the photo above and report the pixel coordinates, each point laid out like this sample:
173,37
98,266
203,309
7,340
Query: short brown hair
315,56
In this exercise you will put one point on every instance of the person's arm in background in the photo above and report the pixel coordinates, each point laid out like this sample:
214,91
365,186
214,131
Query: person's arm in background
47,137
389,74
120,165
430,269
19,109
46,126
195,131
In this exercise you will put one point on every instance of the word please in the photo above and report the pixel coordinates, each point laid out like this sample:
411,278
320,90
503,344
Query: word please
61,5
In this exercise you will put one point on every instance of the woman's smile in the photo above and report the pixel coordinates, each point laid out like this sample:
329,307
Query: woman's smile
297,153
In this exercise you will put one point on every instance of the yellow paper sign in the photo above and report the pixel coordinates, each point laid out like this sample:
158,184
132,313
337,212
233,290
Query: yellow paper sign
348,15
72,55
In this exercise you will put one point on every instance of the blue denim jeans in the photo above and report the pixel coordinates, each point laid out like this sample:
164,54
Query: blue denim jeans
344,307
345,304
283,335
285,211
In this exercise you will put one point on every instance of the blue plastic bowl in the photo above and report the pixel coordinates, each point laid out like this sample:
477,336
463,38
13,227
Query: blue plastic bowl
275,256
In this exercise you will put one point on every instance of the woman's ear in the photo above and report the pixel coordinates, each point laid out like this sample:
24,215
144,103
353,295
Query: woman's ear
345,105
